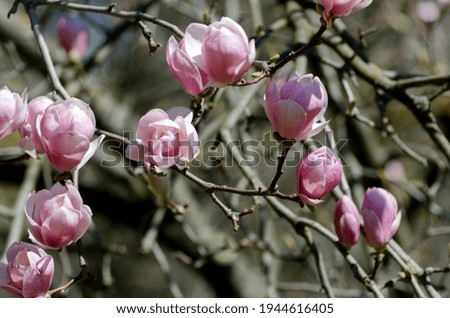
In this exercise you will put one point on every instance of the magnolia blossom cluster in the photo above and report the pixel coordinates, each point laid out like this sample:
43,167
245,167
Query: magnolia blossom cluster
380,217
210,56
57,218
63,130
295,105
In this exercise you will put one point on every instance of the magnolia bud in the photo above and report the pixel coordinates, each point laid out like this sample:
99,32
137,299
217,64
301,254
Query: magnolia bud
317,175
346,222
381,217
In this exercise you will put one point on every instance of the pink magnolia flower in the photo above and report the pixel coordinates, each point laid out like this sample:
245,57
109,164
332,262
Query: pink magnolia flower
294,104
346,221
57,216
66,129
216,55
380,216
73,35
226,52
183,65
165,138
13,109
31,141
317,175
28,272
339,8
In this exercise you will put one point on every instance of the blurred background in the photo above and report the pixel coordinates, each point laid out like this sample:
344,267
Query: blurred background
163,236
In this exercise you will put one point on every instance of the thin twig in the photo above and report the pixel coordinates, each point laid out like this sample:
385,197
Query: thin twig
409,274
133,16
418,105
296,221
165,269
286,146
150,237
30,7
318,258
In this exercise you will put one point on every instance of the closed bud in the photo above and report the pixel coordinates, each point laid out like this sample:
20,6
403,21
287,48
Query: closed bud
380,216
73,35
346,221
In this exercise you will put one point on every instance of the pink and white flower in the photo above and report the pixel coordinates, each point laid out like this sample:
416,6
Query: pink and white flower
57,216
28,272
339,8
294,104
210,56
165,138
317,175
66,129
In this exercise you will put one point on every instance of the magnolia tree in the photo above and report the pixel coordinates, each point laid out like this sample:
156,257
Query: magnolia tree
263,148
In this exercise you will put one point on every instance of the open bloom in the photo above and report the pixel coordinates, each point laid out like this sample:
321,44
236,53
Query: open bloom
380,216
31,141
66,129
294,104
339,8
213,55
73,35
28,272
57,216
13,110
346,221
317,175
165,138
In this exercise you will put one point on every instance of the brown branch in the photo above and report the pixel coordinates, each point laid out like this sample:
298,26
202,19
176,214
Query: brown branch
132,16
30,7
286,57
418,105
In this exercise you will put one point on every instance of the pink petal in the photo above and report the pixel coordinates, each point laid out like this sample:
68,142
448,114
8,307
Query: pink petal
66,150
